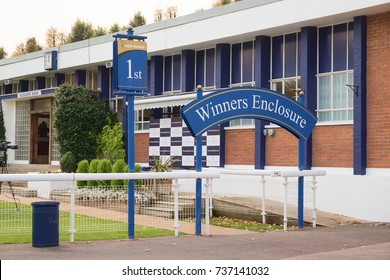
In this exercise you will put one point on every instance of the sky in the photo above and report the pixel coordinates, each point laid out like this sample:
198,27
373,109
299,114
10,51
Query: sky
22,19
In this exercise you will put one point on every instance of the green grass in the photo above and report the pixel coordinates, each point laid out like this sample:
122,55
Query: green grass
23,219
243,224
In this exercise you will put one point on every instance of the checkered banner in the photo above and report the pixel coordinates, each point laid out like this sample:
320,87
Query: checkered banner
171,137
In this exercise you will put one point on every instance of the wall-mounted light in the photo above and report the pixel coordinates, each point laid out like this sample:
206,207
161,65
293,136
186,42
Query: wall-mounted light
268,131
108,64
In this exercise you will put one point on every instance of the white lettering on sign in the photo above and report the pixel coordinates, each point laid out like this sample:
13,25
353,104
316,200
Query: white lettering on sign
136,75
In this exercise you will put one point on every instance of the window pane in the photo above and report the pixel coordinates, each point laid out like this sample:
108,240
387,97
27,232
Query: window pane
340,47
350,91
340,115
277,57
200,67
176,72
324,92
339,91
247,62
324,116
290,89
235,123
325,49
247,122
210,58
168,73
290,65
277,86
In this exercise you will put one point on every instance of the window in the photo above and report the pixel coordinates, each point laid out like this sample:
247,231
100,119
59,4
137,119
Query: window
335,99
172,73
285,71
70,79
22,130
242,64
205,68
142,120
49,82
92,82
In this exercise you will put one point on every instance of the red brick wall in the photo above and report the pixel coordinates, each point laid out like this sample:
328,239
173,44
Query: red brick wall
281,149
333,146
240,147
378,91
141,147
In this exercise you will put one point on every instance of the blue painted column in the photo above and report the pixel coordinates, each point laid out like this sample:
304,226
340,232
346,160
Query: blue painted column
187,70
301,157
262,77
81,78
360,97
198,164
131,164
104,81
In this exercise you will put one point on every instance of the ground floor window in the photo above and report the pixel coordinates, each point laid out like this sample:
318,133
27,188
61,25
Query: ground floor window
22,130
142,120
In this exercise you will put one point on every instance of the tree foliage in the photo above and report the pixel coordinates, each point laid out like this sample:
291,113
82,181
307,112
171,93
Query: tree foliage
138,20
30,46
79,117
80,30
55,38
160,15
3,53
110,143
220,3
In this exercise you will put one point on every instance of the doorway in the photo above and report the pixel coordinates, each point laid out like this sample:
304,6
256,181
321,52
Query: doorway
40,138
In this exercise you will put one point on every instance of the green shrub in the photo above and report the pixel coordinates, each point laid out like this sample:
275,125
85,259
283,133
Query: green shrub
82,167
118,167
110,143
93,169
104,166
68,162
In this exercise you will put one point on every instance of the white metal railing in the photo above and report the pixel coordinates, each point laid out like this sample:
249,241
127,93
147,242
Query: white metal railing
285,175
73,177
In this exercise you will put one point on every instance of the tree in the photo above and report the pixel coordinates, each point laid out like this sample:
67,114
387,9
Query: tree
99,31
220,3
55,38
171,12
79,117
19,50
32,45
160,15
115,28
80,30
138,20
3,54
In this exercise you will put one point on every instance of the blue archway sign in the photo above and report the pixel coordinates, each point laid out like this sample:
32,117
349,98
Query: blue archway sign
130,80
248,102
225,105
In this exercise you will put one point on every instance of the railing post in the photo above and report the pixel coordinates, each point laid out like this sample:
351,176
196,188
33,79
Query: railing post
285,203
207,206
176,200
263,213
72,230
314,188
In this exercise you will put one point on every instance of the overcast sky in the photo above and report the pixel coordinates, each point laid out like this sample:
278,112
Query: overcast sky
22,19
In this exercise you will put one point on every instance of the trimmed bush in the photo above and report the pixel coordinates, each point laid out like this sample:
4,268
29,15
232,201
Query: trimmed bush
92,169
104,166
82,167
68,162
118,168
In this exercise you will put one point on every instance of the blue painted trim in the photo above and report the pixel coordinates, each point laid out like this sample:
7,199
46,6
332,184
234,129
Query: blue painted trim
104,81
156,76
40,82
262,77
308,69
187,70
81,77
222,75
360,100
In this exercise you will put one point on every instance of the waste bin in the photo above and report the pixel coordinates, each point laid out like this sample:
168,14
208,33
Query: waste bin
45,223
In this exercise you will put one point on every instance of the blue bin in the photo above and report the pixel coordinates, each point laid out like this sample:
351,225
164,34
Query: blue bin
45,223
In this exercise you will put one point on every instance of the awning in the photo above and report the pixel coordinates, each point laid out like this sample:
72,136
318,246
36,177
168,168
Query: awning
163,101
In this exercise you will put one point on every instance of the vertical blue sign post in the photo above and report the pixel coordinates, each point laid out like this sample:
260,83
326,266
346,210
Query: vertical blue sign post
198,165
130,80
301,151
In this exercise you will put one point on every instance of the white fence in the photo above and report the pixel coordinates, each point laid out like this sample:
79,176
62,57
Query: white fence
110,205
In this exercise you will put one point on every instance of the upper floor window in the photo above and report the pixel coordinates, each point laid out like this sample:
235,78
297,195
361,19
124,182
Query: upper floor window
205,68
242,63
285,67
335,71
49,82
70,79
92,81
172,73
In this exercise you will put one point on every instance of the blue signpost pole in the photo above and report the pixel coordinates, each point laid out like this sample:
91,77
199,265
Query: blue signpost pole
301,151
130,80
198,190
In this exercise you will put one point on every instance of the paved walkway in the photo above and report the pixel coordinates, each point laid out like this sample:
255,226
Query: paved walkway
351,242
